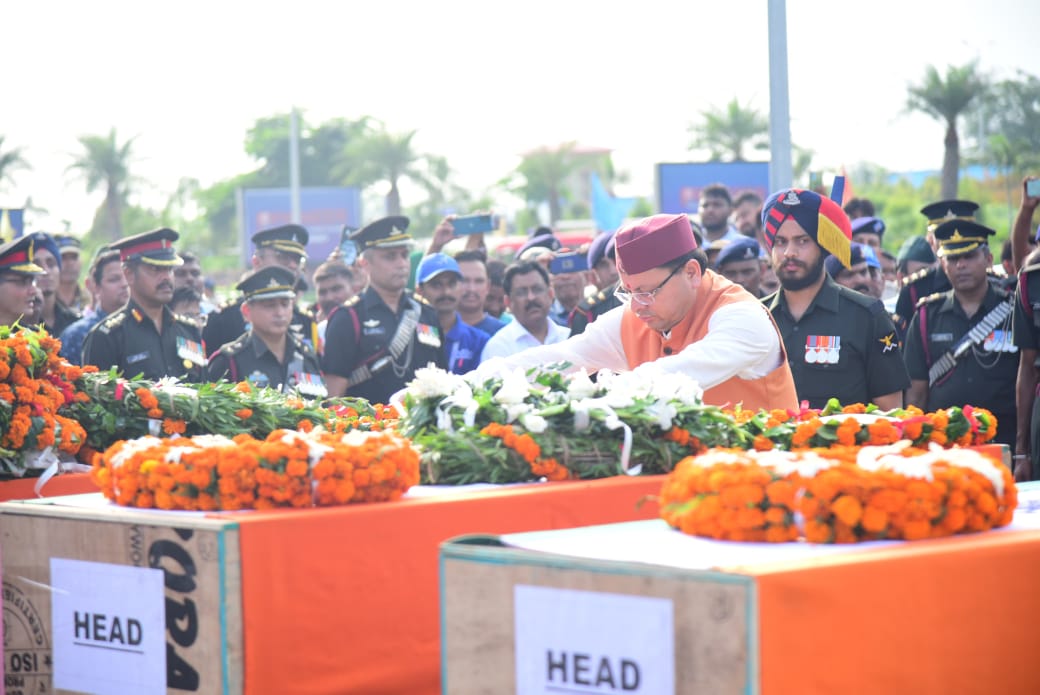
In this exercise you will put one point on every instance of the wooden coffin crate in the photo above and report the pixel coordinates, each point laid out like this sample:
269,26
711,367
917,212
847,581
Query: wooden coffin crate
147,601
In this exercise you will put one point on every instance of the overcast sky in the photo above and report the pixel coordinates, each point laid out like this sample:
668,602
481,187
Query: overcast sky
480,81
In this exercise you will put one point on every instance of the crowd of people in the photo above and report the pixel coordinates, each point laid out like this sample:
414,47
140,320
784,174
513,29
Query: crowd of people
779,303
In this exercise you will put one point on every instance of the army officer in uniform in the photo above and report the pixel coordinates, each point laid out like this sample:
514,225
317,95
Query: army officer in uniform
376,341
18,273
959,347
145,337
284,246
840,343
269,354
931,280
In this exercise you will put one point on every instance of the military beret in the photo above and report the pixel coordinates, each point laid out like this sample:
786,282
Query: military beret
601,247
858,253
916,248
42,240
868,225
545,241
740,250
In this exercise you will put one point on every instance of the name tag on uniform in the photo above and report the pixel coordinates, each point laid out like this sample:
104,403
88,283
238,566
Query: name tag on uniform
139,357
310,384
942,337
428,335
191,351
999,341
822,349
372,327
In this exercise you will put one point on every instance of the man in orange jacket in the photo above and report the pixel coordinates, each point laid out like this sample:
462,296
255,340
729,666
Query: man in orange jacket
677,316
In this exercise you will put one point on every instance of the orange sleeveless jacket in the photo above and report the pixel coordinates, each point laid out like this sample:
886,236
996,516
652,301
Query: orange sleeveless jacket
643,344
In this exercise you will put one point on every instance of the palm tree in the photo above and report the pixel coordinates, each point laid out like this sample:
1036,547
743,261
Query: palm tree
728,131
383,156
104,163
543,175
10,161
945,99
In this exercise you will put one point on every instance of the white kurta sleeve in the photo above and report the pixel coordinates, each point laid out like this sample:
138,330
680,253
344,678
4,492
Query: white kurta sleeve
599,347
741,341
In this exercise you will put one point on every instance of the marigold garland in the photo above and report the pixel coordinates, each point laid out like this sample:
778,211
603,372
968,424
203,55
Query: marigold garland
35,384
529,450
725,495
844,494
286,469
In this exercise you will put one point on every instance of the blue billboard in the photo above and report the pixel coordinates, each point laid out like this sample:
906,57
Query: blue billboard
679,184
323,212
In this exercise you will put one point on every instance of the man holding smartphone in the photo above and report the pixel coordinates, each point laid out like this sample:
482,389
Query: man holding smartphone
1026,331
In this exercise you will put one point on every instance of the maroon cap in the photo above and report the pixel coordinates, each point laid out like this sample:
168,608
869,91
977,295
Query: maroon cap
652,242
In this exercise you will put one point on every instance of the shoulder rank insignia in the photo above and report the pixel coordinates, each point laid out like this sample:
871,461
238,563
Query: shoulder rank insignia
930,298
888,342
918,275
112,321
353,300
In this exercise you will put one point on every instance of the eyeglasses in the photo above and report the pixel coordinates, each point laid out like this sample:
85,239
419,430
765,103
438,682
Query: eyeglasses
645,298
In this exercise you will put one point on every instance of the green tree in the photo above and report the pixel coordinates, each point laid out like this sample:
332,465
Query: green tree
382,156
1007,126
104,164
321,149
546,175
728,131
946,98
11,160
443,196
322,163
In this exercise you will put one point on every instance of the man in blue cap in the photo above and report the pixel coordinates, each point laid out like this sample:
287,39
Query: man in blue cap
740,263
269,354
285,246
145,337
376,341
18,273
959,348
438,277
